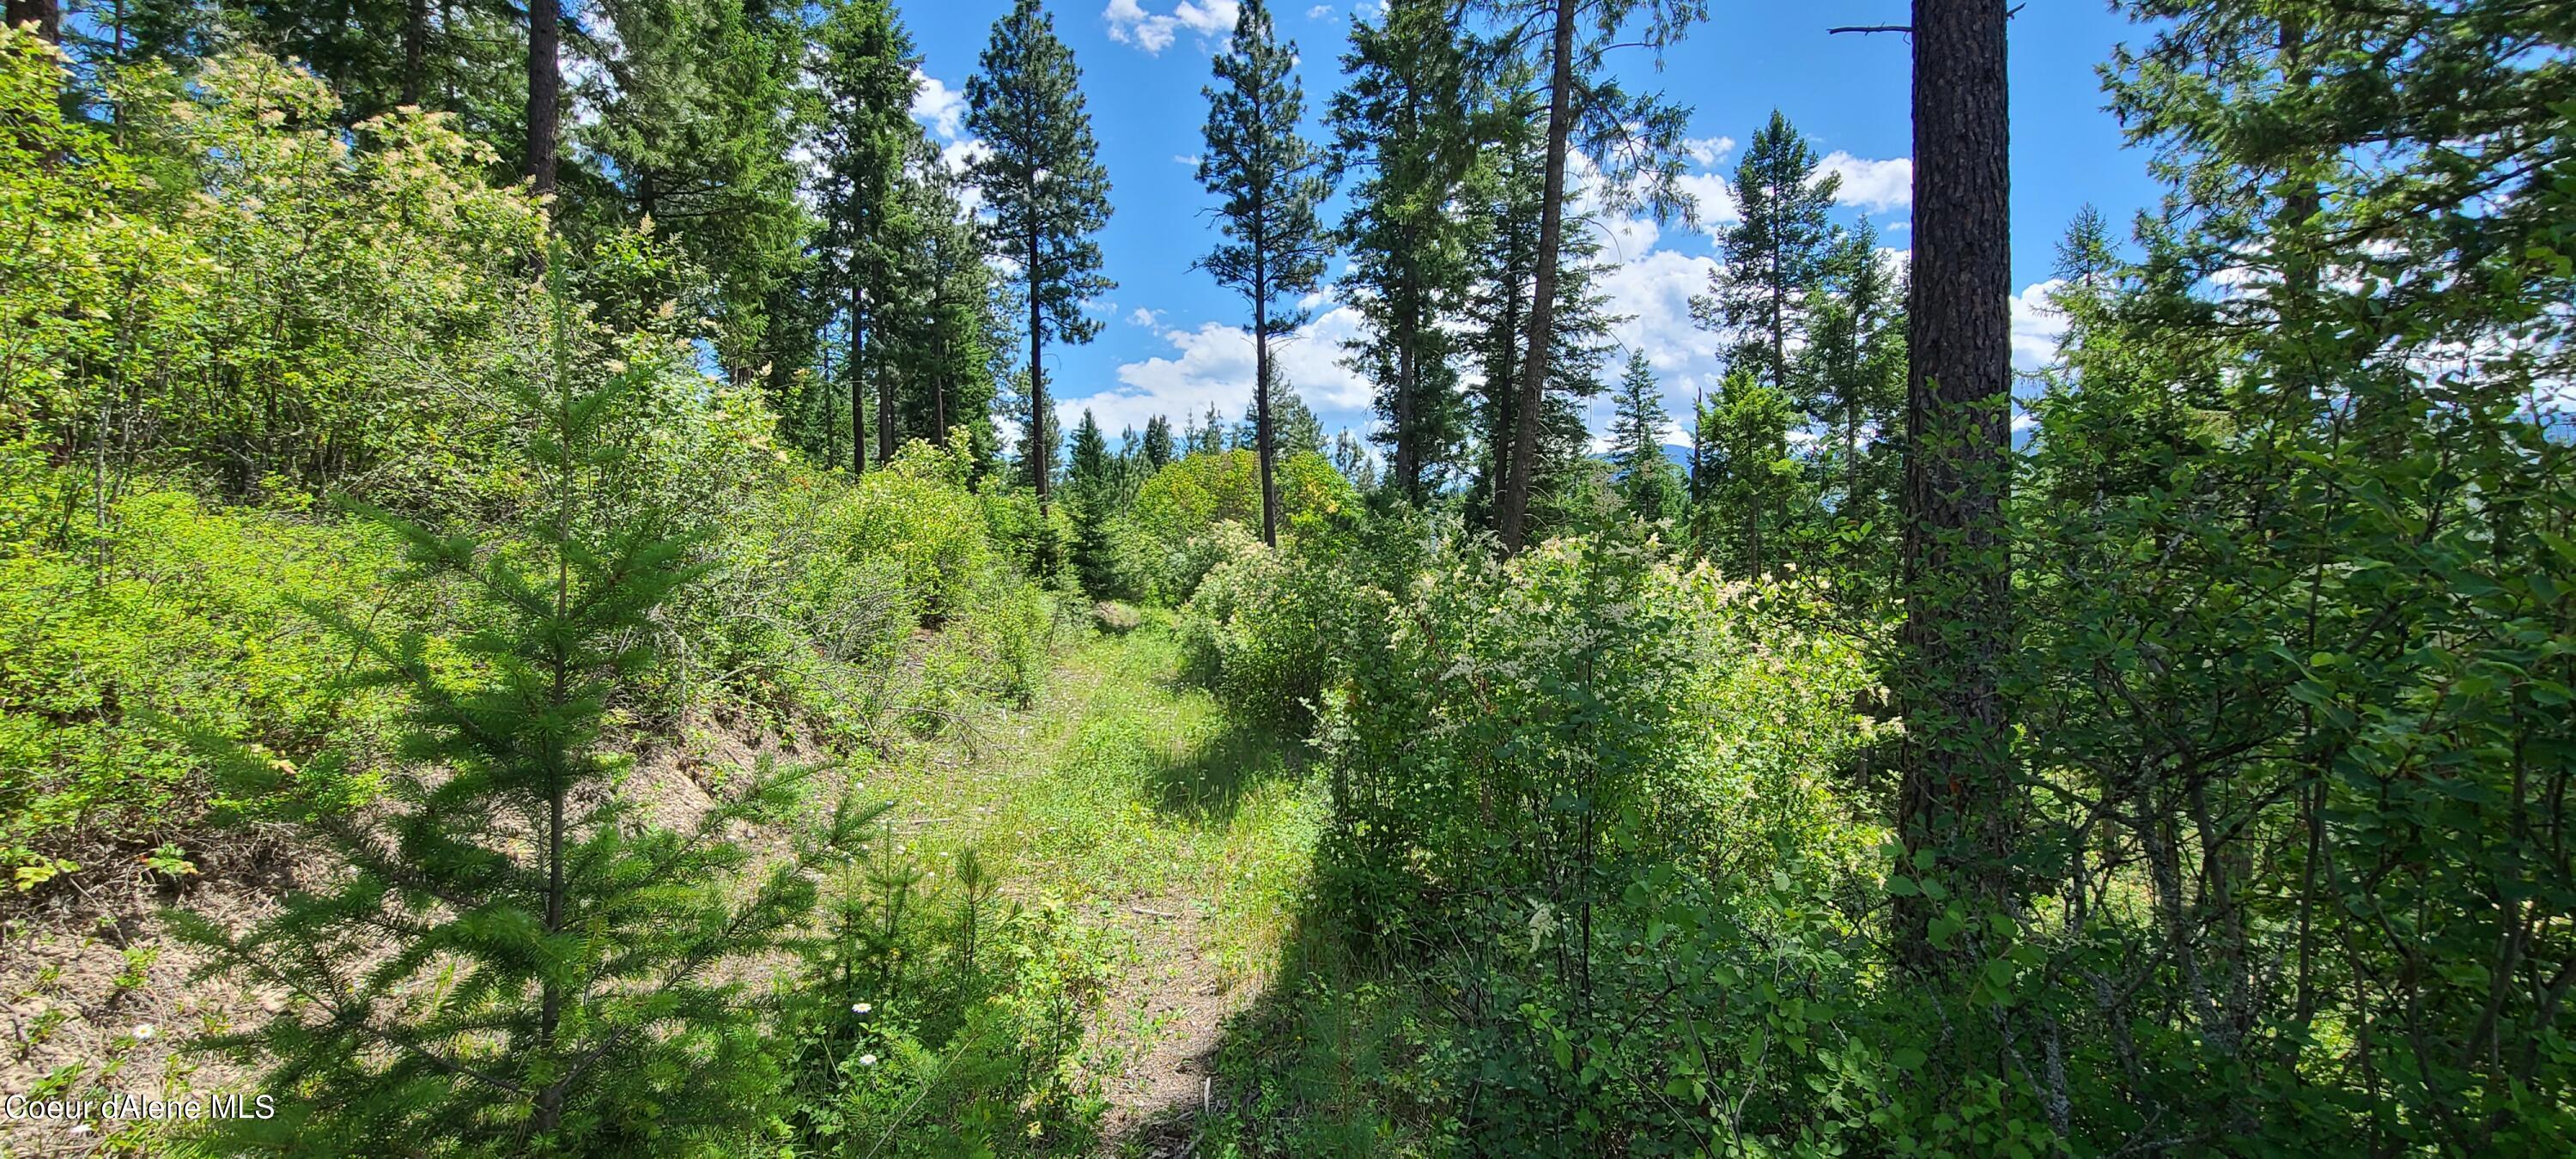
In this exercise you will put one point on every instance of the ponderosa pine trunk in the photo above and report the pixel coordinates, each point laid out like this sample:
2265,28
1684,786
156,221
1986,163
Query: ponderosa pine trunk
1957,799
545,91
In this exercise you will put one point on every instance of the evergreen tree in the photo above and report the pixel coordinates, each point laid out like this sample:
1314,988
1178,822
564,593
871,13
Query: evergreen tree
1351,457
1776,256
1210,433
1270,184
1752,483
1507,217
1957,805
1634,142
1405,118
515,959
1296,430
1852,372
1647,479
1044,186
941,351
697,115
1158,450
864,84
1093,484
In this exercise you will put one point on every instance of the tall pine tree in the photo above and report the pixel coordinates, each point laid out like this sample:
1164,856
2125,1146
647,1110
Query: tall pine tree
1775,256
1046,191
1270,184
1405,119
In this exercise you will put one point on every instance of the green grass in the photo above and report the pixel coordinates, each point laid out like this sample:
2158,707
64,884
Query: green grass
1126,785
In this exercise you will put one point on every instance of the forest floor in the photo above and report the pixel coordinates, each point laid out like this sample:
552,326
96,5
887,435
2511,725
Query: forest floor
1184,839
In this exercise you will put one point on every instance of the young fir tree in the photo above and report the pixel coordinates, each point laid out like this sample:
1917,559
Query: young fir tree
864,84
1270,185
513,960
1750,482
1647,479
1044,186
1091,479
1775,256
1405,120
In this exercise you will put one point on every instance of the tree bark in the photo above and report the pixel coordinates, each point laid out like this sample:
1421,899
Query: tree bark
1261,418
415,45
1037,379
858,384
545,91
885,418
46,15
1957,800
1551,228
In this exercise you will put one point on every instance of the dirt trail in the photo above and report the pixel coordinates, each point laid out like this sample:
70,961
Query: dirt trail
1174,1001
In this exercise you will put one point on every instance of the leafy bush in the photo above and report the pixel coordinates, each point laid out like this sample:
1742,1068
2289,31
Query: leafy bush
183,611
935,1019
1166,542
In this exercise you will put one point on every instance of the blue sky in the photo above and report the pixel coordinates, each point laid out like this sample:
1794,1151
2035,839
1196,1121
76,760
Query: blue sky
1173,342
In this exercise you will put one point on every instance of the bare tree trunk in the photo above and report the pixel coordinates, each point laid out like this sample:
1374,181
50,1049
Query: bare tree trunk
46,15
1261,441
415,45
1408,450
545,91
858,384
1956,799
1551,229
885,418
1037,381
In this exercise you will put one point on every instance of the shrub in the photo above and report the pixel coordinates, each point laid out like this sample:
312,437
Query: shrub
1169,538
185,611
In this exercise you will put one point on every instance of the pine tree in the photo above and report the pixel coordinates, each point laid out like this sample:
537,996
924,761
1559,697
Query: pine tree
1957,804
1405,118
1751,483
1044,186
1647,479
693,132
1270,184
945,329
1158,443
1776,256
1507,217
1852,373
864,85
1634,142
514,960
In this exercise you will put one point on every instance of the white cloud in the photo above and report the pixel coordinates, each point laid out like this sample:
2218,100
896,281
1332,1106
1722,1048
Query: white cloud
1716,198
1877,186
1129,23
1189,159
938,106
1213,364
1144,317
1707,151
2036,326
1319,12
